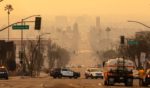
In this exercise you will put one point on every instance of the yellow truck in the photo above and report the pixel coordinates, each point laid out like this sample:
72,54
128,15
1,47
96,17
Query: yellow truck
144,77
118,70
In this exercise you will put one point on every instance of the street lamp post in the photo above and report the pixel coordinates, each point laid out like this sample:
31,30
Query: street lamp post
139,23
40,43
40,40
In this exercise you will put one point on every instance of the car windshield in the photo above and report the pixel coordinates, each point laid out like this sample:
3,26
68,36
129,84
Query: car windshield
66,69
95,70
2,69
148,71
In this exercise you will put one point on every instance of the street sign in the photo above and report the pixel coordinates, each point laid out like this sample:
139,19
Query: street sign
20,27
132,42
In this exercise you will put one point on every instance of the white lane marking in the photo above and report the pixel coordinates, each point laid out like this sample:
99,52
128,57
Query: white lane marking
99,84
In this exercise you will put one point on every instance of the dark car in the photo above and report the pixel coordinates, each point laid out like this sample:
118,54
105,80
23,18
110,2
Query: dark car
64,72
3,72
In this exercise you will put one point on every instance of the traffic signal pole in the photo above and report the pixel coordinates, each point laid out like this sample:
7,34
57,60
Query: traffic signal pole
22,49
37,27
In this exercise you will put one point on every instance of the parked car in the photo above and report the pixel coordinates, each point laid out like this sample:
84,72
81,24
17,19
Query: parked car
3,72
93,73
64,72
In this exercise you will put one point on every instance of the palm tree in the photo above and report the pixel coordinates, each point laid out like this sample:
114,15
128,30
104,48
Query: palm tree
8,8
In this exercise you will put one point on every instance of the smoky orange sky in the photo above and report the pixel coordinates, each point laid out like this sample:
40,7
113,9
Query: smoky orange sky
116,10
78,7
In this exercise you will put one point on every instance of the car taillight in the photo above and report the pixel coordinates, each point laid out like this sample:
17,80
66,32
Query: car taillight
110,74
130,74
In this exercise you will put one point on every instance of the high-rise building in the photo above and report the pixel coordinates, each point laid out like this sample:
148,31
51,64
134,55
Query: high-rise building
75,26
98,22
68,29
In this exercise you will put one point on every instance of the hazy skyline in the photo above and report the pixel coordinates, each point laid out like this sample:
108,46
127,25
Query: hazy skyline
110,11
104,8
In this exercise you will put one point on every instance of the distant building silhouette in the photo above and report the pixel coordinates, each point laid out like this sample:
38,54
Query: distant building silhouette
98,23
8,54
68,29
75,27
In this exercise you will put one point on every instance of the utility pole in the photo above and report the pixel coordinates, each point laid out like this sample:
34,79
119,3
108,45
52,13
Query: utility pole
22,50
39,49
40,39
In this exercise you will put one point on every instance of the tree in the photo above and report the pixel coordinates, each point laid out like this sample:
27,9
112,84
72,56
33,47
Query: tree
134,50
1,0
33,57
8,8
110,54
57,56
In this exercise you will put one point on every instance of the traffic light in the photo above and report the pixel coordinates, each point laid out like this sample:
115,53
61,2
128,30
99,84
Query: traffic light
122,39
37,23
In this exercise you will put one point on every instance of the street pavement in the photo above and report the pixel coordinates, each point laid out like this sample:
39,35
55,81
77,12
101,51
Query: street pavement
49,82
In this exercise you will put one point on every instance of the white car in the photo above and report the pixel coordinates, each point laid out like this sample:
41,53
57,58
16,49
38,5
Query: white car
94,73
135,74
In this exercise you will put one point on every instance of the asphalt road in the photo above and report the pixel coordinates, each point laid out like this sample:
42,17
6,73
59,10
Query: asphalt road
48,82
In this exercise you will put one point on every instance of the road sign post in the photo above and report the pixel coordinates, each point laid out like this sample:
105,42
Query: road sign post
132,42
20,27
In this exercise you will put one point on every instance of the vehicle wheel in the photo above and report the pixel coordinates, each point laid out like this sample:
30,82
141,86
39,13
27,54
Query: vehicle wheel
129,82
75,77
92,77
111,81
86,77
105,83
6,78
141,83
145,84
60,76
54,77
